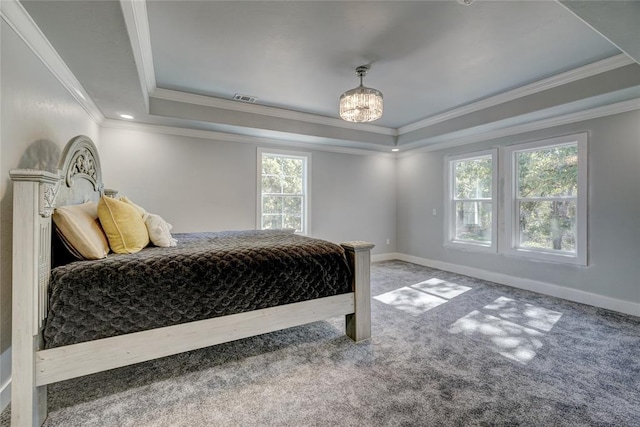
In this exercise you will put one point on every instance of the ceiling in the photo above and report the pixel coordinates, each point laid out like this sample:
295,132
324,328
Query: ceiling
446,70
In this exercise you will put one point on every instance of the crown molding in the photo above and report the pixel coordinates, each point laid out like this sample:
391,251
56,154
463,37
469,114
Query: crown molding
244,139
592,113
15,15
136,20
281,113
137,23
588,70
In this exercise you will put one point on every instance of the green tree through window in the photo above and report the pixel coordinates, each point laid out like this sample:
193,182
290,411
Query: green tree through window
473,199
542,206
546,197
283,192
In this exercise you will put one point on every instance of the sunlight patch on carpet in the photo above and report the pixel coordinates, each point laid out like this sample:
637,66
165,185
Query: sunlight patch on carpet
441,288
506,338
496,325
410,300
421,297
524,314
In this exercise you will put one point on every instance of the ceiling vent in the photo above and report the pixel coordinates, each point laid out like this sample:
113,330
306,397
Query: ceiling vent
245,98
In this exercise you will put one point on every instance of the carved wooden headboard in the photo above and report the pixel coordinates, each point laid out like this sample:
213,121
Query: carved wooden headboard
80,173
36,193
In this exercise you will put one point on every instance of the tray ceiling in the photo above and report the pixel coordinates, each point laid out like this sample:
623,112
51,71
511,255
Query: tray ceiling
179,63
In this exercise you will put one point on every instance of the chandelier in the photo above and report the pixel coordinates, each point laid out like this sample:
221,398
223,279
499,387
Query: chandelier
362,104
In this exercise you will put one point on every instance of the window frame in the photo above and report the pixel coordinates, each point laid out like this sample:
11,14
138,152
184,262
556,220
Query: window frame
306,184
511,235
450,200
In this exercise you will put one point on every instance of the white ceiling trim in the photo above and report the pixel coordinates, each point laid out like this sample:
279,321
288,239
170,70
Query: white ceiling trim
137,23
141,43
244,139
281,113
15,15
530,89
593,113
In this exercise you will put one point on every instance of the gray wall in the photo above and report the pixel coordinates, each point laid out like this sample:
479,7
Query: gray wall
200,184
38,117
613,222
204,185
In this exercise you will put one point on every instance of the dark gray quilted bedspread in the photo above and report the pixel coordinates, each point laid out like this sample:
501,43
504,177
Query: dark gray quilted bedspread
206,275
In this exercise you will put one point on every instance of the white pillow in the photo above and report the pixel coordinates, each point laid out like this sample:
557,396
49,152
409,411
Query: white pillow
159,233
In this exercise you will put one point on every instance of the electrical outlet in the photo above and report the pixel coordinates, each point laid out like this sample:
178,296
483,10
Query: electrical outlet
388,241
434,212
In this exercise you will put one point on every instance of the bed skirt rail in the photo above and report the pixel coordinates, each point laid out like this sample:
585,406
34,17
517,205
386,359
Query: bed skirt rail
62,363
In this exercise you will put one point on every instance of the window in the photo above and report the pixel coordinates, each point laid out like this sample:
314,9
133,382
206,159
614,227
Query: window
283,190
471,194
545,210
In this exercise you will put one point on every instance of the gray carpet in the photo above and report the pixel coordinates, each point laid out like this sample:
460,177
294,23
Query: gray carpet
447,350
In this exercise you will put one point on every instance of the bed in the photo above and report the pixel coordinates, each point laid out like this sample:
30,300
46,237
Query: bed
91,316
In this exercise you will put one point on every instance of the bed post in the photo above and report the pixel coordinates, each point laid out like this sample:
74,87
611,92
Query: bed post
359,257
33,201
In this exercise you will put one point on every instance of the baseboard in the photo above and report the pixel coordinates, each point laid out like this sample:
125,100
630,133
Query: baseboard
385,257
5,388
545,288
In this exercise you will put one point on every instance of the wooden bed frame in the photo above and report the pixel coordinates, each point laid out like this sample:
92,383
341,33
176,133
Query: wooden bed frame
36,194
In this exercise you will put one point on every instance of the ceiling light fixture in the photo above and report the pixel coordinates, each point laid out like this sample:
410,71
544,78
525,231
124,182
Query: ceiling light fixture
126,116
362,104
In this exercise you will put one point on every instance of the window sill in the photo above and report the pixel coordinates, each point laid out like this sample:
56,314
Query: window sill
471,247
532,255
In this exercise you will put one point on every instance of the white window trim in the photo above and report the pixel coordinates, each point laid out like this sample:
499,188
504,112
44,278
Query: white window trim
306,182
449,221
508,244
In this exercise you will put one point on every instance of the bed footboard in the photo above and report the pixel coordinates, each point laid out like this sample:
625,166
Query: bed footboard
358,324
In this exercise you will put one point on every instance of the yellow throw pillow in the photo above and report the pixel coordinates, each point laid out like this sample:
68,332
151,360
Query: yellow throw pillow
123,225
140,209
80,228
